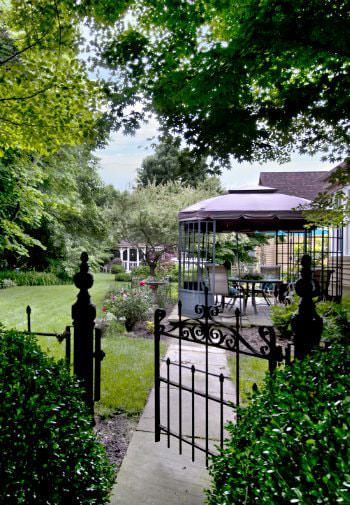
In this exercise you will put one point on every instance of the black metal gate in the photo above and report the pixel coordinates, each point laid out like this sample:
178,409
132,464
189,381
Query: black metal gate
180,386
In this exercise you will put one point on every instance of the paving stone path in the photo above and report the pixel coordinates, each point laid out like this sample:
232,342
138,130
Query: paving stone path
152,474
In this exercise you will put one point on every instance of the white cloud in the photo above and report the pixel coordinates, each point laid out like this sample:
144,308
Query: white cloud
247,173
124,155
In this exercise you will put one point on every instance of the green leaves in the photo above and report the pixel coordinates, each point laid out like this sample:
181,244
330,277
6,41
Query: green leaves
50,454
172,163
291,443
55,204
150,215
256,80
46,98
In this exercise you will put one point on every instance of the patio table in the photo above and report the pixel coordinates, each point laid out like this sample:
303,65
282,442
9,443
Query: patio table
249,289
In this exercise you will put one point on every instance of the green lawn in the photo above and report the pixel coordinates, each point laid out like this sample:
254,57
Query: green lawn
51,308
127,369
127,373
51,305
252,371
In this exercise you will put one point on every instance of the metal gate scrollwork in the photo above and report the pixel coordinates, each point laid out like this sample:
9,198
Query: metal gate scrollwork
174,377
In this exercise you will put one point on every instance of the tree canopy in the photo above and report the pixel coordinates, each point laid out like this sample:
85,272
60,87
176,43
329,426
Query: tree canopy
332,206
150,215
172,163
46,98
52,208
256,80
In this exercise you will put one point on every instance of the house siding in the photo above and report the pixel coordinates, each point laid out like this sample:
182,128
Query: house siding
346,275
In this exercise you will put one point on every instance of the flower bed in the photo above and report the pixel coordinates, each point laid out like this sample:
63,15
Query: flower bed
128,304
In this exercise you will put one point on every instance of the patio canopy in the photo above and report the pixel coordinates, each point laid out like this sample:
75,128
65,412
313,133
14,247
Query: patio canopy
249,209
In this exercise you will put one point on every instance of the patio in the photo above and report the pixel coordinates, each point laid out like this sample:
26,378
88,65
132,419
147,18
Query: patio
227,315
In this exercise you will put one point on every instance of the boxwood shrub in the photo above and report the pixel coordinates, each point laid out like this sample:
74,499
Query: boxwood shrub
291,444
49,453
33,278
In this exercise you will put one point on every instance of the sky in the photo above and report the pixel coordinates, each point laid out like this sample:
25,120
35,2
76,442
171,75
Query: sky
124,154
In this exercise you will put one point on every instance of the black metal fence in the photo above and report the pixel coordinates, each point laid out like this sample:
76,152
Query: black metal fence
175,378
66,335
87,351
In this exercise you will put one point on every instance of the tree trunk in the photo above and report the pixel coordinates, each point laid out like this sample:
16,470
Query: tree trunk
152,269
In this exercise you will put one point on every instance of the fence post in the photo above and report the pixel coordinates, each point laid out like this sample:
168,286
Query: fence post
98,355
306,324
28,311
68,345
158,315
83,315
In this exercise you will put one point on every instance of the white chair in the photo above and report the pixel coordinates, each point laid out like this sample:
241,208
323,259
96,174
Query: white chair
218,282
271,271
267,289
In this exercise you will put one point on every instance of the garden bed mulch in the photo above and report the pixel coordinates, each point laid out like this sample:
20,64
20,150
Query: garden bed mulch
115,433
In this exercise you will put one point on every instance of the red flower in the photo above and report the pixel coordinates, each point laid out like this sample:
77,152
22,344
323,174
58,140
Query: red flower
142,283
104,309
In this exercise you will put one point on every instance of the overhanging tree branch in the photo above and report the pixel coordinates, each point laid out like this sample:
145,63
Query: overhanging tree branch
17,53
25,97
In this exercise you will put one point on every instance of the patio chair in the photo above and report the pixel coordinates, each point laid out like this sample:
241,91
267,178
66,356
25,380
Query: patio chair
218,281
268,289
323,277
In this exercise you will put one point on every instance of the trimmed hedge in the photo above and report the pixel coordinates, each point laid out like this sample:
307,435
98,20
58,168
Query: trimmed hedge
49,453
33,278
291,444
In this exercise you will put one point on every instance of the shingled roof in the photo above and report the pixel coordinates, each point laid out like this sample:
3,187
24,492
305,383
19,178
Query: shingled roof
303,184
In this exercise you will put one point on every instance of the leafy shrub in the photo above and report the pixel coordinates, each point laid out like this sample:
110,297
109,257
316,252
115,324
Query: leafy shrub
49,454
123,277
336,319
168,269
336,322
7,283
132,304
142,271
33,278
118,269
291,444
120,273
281,316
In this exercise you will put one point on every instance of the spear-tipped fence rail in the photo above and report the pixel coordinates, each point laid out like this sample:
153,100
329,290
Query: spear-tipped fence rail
65,335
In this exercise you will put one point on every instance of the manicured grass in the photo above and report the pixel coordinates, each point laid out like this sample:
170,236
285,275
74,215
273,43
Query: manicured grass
127,373
346,303
51,308
127,369
51,305
252,371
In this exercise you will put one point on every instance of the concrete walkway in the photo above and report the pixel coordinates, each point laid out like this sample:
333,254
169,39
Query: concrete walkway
152,474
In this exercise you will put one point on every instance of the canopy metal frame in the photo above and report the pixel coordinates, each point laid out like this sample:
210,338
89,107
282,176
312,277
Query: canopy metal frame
248,210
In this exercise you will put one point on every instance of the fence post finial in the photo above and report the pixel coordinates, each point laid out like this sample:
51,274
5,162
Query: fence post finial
83,315
306,323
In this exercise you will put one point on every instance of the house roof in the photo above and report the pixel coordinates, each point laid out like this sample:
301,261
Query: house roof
127,243
303,184
342,168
